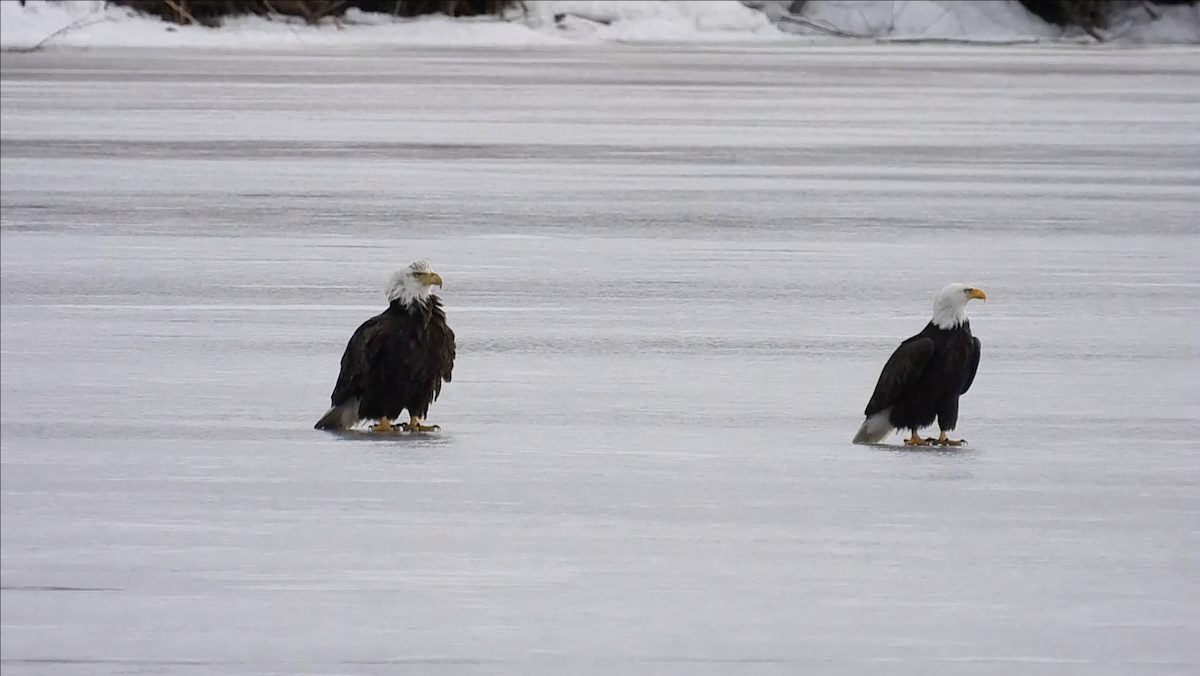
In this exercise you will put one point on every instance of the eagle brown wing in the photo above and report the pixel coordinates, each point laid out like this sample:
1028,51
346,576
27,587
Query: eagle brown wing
448,353
978,346
361,351
900,372
443,346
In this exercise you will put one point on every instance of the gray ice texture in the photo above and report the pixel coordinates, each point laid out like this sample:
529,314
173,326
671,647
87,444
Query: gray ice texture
675,274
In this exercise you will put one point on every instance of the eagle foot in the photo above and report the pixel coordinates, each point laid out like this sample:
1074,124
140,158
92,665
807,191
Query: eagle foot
414,426
944,441
384,425
916,440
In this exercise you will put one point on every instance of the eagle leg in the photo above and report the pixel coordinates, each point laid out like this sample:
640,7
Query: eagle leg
916,440
414,425
384,425
944,441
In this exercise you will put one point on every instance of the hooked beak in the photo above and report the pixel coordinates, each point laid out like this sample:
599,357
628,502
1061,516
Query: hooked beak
977,293
431,278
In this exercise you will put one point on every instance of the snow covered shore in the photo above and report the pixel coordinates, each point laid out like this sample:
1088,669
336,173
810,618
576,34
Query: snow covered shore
92,24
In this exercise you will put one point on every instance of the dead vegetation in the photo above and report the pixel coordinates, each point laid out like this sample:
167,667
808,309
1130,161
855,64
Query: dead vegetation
1093,16
210,12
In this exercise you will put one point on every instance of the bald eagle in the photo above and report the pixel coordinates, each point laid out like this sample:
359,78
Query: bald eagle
397,359
927,374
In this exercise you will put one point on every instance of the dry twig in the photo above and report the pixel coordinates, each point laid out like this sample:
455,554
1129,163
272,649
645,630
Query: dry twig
182,12
78,23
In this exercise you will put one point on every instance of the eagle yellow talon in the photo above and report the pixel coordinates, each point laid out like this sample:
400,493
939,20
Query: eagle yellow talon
944,441
384,425
414,426
916,440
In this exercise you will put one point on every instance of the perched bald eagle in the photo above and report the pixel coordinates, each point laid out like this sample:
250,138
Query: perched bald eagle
927,374
397,359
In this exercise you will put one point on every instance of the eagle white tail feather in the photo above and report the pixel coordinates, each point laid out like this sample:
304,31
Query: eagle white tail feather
874,429
340,417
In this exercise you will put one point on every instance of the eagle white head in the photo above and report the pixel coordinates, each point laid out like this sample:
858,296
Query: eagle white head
412,284
950,304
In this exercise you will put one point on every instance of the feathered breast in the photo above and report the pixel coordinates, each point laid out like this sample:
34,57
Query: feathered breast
403,347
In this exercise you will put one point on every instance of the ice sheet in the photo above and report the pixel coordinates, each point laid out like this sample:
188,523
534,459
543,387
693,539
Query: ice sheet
675,274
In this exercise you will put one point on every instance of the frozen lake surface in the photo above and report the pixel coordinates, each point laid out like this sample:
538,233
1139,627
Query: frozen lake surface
675,275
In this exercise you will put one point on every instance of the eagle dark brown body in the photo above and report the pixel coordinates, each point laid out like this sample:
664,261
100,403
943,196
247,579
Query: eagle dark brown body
925,376
396,361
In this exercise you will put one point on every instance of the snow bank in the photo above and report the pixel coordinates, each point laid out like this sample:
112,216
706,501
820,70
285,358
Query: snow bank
1176,25
92,24
970,21
926,19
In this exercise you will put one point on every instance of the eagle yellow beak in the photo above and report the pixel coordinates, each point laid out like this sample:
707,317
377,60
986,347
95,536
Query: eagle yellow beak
977,293
431,278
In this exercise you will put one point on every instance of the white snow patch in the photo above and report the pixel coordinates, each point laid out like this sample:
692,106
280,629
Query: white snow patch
655,21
